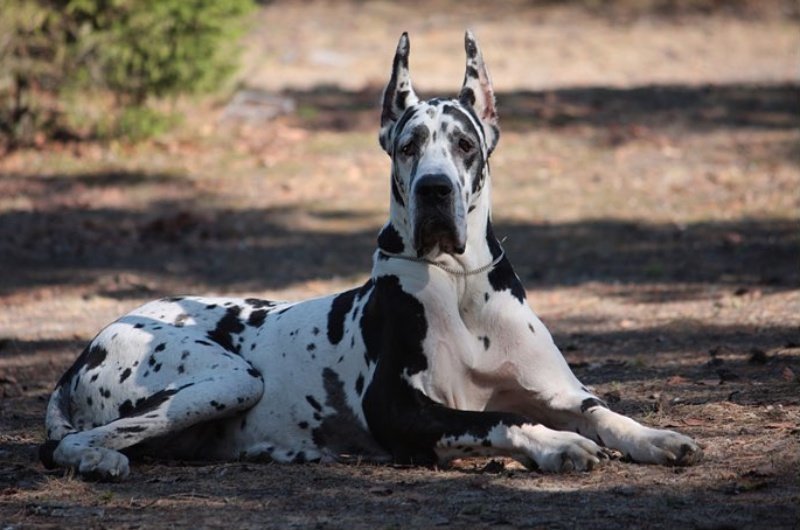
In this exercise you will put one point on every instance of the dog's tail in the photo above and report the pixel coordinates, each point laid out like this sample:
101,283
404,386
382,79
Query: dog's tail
58,419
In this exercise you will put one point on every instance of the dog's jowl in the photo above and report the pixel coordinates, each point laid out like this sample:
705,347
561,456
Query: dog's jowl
436,356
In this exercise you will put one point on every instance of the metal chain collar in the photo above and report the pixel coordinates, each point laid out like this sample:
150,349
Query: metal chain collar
451,270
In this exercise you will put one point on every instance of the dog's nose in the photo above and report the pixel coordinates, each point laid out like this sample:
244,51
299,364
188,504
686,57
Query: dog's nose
434,187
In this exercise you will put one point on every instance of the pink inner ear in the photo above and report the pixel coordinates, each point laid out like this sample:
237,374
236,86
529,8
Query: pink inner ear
477,80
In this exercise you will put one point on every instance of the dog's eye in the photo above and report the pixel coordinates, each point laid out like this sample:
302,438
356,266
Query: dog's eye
465,145
408,149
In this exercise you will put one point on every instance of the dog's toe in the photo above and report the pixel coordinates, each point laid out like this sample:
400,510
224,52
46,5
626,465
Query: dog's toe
103,464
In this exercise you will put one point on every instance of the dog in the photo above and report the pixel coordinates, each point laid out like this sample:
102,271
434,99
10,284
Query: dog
436,356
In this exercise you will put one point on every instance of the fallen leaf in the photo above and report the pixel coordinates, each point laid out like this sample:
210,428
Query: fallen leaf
677,380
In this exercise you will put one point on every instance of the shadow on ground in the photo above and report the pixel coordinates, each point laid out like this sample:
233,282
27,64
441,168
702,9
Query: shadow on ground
365,497
259,249
696,108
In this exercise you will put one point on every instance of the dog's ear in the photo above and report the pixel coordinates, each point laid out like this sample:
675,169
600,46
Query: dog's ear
477,91
398,94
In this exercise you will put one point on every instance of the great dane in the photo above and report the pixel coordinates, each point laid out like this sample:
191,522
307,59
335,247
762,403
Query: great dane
436,356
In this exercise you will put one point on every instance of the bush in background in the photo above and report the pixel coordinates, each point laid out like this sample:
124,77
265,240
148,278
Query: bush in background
135,50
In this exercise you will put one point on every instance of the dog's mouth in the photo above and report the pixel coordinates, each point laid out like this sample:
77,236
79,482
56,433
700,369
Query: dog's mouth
435,228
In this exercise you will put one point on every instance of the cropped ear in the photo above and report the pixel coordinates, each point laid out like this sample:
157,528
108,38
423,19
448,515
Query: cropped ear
398,94
477,91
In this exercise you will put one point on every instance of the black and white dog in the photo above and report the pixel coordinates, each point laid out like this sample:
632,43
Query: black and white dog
436,356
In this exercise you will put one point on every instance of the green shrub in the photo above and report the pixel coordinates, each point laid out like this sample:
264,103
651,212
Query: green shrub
143,48
138,123
134,49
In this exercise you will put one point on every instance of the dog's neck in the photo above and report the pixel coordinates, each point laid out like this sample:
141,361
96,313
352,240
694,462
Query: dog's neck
482,248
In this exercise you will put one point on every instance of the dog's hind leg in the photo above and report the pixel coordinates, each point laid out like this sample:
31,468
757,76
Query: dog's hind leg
201,397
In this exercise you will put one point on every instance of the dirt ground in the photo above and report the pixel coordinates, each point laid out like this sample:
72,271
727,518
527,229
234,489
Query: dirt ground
647,183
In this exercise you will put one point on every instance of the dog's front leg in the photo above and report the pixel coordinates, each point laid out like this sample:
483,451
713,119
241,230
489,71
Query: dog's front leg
417,430
421,406
548,392
636,441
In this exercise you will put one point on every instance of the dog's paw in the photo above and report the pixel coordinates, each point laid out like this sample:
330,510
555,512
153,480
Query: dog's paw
669,448
559,451
99,463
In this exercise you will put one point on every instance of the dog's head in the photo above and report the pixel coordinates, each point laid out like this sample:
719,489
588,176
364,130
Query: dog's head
440,150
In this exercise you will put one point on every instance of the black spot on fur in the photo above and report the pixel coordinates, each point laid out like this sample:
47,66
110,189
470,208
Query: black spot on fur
303,425
204,343
404,119
314,403
124,375
589,403
228,326
377,330
462,117
138,326
132,428
217,405
530,327
258,303
340,306
149,403
342,431
257,318
467,96
311,347
91,357
160,347
360,384
390,241
398,197
486,342
185,354
502,276
254,373
89,401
